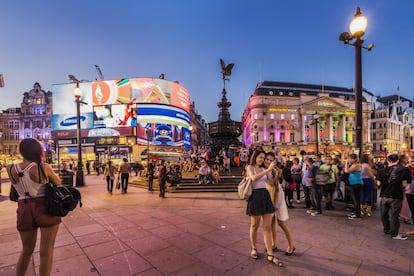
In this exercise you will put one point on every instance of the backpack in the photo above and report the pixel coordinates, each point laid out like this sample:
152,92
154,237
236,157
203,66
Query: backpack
322,176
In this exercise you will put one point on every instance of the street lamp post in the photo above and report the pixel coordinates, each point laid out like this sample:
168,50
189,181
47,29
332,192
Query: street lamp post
316,118
357,29
80,180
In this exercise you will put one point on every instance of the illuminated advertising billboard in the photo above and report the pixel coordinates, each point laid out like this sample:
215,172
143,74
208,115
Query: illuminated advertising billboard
114,115
159,134
140,90
159,113
114,105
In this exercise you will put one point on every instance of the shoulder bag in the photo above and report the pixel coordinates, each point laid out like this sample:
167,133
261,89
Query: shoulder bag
60,200
245,188
14,195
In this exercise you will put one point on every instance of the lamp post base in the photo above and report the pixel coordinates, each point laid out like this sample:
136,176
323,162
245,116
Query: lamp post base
80,178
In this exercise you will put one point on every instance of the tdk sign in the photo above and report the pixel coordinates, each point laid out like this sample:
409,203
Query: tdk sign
71,121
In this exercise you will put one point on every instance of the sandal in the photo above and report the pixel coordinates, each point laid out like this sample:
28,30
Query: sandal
253,253
273,248
273,260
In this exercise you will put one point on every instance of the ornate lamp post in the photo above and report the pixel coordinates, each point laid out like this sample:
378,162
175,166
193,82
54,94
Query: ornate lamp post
357,29
80,179
316,118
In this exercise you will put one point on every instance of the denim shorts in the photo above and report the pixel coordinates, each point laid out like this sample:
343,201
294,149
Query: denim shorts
31,214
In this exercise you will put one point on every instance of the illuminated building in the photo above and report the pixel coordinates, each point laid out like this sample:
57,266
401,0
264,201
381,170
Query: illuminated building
31,120
281,114
123,118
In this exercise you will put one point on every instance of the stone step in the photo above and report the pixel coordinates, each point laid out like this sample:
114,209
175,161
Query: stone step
228,184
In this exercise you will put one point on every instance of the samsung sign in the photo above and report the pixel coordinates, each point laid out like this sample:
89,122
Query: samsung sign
71,121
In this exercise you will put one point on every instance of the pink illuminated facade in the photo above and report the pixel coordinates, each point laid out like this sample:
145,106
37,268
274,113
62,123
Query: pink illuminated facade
282,115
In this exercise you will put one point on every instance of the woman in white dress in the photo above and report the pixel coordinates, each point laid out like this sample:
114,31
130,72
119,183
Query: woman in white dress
281,210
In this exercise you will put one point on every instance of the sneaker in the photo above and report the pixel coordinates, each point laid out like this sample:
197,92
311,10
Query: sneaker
309,211
316,214
354,217
351,214
297,201
400,237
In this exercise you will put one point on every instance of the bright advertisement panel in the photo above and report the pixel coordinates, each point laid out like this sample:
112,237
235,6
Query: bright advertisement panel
112,115
157,134
64,106
159,113
140,90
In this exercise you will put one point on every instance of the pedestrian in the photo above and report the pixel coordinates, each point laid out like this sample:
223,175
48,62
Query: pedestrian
329,188
151,171
409,192
109,176
97,167
404,216
287,182
162,178
393,181
1,168
354,168
281,214
205,175
296,171
28,178
308,175
88,167
368,178
124,170
260,205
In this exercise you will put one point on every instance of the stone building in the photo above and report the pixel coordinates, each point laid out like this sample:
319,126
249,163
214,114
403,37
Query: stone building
31,120
289,116
199,130
392,126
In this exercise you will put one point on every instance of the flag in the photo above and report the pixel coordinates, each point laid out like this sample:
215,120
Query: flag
1,80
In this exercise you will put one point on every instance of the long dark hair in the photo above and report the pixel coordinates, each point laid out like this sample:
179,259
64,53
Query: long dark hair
31,150
254,156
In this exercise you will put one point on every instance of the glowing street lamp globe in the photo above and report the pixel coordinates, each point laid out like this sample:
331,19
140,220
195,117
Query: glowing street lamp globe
358,25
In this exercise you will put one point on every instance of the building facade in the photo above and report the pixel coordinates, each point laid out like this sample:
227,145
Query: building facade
392,125
199,130
31,120
295,117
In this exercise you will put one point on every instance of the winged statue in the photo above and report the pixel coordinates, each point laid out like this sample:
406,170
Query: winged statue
225,69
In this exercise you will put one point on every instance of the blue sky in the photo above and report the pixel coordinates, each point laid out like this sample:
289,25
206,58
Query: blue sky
297,41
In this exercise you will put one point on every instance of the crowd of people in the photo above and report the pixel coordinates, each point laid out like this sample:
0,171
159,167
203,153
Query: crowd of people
275,182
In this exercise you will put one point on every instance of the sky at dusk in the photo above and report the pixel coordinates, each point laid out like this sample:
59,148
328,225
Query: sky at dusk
295,41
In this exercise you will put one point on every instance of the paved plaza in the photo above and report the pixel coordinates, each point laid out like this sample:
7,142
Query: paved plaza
139,233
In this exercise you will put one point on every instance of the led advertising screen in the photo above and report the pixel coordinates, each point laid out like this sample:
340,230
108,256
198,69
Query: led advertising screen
158,134
114,115
64,106
112,106
159,113
140,90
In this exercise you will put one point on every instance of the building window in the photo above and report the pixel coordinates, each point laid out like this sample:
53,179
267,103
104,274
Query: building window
255,116
292,137
272,116
292,116
282,137
282,116
271,137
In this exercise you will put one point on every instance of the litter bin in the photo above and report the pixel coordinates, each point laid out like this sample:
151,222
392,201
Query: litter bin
66,177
